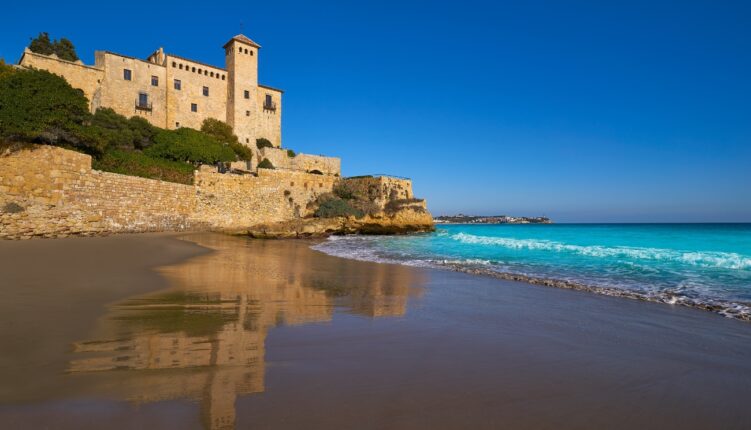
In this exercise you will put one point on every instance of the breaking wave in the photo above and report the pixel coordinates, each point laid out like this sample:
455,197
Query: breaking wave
724,260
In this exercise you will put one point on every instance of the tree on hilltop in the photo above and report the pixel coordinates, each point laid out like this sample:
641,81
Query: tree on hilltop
63,48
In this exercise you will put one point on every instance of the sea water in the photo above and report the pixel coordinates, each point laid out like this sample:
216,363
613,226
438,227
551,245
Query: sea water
699,265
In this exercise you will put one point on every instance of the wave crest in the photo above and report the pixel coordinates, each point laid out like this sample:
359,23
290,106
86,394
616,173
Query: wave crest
724,260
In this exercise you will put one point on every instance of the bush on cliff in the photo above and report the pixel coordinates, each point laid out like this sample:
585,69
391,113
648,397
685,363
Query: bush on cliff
263,143
331,206
188,145
222,132
291,153
265,164
136,163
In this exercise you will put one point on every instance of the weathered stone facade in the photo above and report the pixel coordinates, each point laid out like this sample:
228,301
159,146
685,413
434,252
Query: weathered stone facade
171,92
47,191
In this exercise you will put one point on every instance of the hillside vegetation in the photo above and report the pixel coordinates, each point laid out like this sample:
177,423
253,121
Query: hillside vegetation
39,107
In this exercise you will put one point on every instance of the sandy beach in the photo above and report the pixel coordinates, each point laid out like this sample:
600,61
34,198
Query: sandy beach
213,331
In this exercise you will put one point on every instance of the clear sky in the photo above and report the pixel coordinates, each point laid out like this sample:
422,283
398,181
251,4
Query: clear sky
583,111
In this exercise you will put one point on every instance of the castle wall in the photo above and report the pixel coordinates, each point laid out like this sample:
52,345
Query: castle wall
193,77
52,192
85,78
382,189
237,201
121,95
300,162
47,191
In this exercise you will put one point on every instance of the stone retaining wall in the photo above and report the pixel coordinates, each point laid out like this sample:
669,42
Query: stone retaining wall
52,192
238,201
300,162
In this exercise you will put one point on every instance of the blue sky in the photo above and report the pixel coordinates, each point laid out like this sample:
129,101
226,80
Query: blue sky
584,111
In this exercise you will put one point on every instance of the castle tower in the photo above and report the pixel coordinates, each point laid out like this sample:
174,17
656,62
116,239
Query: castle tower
241,56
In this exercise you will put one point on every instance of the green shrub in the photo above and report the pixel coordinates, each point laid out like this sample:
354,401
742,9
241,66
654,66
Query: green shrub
222,132
291,153
5,69
265,164
345,191
120,132
63,48
263,143
331,206
36,104
136,163
186,144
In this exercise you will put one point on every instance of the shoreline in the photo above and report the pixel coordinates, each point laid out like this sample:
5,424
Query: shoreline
727,309
274,334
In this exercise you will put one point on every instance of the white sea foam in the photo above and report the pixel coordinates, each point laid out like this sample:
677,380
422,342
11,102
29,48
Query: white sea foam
689,292
725,260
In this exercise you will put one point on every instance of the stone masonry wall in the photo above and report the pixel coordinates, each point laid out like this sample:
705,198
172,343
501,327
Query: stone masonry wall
52,192
382,189
300,162
230,202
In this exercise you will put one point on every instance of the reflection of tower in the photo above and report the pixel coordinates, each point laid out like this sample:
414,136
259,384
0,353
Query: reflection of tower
203,339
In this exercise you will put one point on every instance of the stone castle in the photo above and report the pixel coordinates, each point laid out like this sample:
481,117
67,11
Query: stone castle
171,91
48,191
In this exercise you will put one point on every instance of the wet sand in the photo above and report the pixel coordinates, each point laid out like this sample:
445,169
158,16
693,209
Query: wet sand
152,331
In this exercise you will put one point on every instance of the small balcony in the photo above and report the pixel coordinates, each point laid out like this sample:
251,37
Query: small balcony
269,106
143,105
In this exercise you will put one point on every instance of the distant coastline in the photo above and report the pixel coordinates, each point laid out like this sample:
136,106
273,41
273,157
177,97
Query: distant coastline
490,219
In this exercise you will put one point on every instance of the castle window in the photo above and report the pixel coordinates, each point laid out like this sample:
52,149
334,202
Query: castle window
178,84
174,64
127,74
155,81
247,113
241,49
193,107
251,52
206,91
247,140
177,125
200,71
180,67
247,94
143,100
212,74
222,77
193,69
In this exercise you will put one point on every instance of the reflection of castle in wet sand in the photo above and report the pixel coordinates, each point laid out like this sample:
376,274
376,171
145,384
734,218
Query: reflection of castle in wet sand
204,338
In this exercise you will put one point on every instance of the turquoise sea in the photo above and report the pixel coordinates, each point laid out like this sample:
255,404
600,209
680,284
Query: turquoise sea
699,265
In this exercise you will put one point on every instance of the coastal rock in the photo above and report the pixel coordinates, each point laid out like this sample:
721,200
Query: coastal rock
411,219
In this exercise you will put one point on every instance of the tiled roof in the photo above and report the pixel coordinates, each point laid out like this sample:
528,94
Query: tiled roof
244,39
